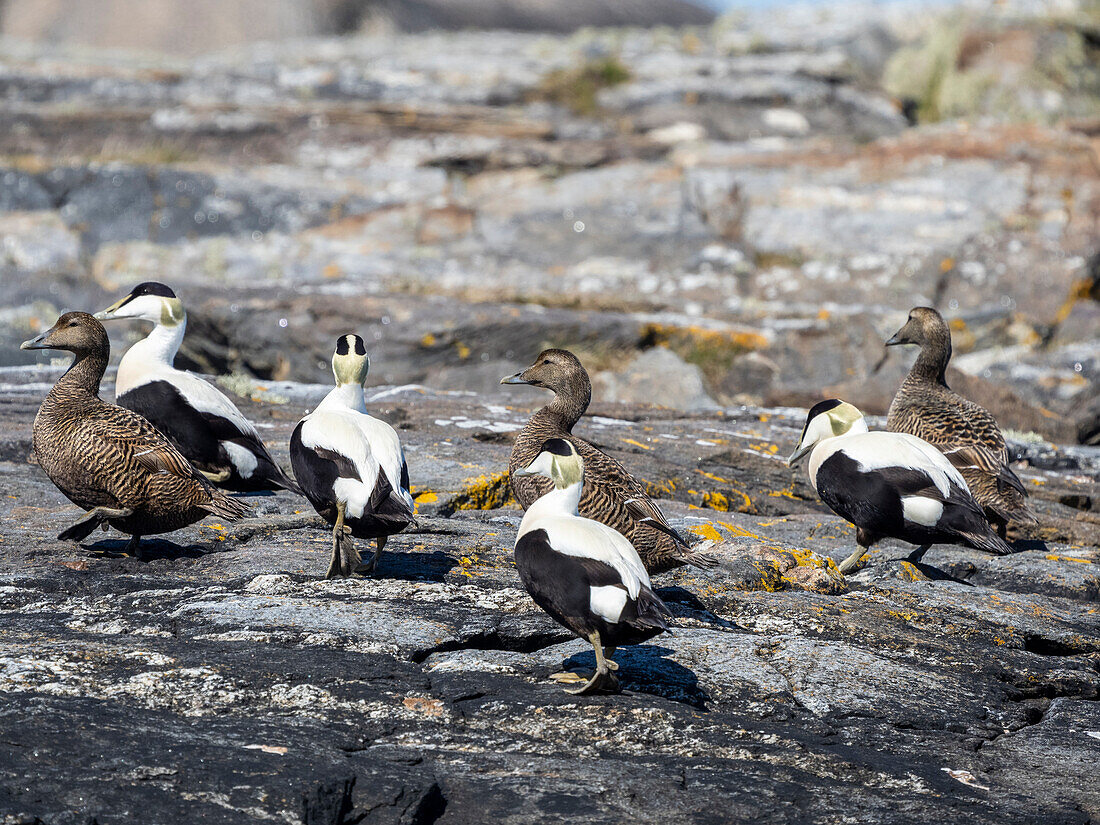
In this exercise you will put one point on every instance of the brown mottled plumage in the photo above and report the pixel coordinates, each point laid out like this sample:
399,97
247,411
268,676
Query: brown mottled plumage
107,459
966,433
610,494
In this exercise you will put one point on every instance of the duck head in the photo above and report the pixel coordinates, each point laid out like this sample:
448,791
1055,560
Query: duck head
75,332
924,326
350,363
557,370
149,301
827,419
557,460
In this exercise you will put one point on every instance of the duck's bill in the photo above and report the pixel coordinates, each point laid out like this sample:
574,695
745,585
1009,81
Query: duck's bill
895,339
38,342
109,312
514,379
520,472
798,455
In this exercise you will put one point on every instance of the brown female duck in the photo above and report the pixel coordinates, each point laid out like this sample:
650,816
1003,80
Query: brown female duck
610,493
107,459
966,433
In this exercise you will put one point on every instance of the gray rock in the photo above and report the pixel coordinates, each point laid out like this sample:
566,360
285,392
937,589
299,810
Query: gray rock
658,376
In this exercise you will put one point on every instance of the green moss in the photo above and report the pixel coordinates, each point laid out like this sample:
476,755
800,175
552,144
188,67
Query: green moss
578,87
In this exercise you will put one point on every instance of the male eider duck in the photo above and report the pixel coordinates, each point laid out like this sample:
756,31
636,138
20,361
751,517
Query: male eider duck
611,494
889,485
198,419
586,575
350,465
966,433
110,460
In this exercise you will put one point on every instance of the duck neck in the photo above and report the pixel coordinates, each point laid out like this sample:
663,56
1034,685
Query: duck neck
160,346
931,364
346,396
570,402
82,377
560,501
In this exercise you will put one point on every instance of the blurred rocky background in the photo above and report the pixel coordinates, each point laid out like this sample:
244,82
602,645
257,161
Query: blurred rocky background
761,197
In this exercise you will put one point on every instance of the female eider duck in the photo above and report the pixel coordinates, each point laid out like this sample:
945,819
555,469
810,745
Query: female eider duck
198,419
611,494
351,465
889,485
586,575
110,460
966,433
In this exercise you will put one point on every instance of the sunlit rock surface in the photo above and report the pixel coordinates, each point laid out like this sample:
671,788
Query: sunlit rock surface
726,222
225,678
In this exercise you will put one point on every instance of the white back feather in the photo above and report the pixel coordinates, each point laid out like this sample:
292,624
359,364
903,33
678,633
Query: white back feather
573,535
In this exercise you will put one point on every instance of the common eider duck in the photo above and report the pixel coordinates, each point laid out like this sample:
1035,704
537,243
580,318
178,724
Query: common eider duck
586,575
109,460
198,419
611,494
963,431
889,485
350,465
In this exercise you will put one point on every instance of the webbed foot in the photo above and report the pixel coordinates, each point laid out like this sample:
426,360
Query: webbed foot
852,563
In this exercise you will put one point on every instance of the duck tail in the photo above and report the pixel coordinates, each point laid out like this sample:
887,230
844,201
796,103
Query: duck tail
988,541
230,509
286,482
652,612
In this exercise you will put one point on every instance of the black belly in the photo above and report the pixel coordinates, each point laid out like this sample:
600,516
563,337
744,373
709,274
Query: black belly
199,436
871,499
561,585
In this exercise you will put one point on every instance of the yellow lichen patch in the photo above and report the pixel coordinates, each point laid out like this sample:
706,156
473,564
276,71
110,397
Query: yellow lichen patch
216,526
462,350
706,531
635,443
713,477
428,340
660,489
713,351
1052,557
465,564
910,572
331,271
728,500
486,492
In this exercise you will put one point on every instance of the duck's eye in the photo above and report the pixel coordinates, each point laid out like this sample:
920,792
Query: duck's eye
73,323
545,362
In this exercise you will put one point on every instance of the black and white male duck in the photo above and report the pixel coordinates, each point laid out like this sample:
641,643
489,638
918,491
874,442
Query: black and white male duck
889,485
350,464
586,575
198,419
